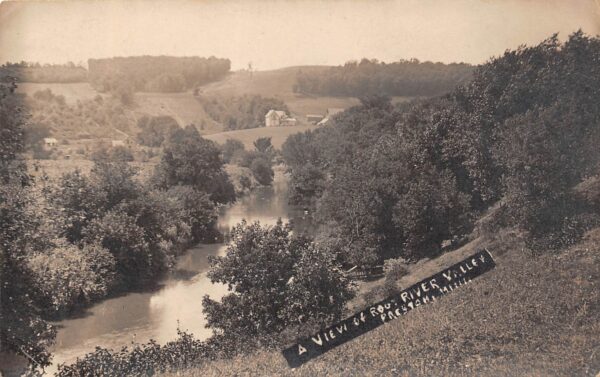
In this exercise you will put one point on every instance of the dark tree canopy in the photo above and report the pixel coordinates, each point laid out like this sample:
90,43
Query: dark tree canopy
189,159
400,180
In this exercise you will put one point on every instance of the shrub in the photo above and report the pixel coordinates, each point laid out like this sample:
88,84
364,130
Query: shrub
276,280
68,276
142,359
120,153
138,261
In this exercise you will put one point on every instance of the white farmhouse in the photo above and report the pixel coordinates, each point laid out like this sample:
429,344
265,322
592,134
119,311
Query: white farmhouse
274,118
50,141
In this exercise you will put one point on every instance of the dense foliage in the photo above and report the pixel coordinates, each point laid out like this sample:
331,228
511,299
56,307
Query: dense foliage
154,130
402,78
189,159
155,73
67,275
276,280
22,329
232,150
399,181
238,113
259,161
143,360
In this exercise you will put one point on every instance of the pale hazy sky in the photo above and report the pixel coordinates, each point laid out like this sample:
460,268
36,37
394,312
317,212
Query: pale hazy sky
273,34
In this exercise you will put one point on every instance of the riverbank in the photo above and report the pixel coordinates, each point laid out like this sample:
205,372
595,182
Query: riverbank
498,325
176,301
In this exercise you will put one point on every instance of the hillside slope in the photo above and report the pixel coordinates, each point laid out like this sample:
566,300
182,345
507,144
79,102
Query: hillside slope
278,135
187,109
498,325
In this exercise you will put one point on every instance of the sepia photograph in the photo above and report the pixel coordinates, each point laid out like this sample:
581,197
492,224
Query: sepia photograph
299,188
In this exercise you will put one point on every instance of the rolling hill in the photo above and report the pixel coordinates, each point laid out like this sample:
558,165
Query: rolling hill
187,109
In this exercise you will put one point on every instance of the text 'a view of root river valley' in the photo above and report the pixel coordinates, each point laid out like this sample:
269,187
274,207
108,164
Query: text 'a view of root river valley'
424,292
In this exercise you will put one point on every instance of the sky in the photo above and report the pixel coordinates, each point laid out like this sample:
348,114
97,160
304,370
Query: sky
274,34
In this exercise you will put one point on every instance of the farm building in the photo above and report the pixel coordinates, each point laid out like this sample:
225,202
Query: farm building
288,122
333,111
276,118
330,113
314,118
121,142
50,141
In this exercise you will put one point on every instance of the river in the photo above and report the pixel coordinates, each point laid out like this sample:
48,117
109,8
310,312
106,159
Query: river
141,316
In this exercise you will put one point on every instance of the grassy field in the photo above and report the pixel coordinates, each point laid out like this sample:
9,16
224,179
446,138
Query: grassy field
531,316
183,107
71,92
278,135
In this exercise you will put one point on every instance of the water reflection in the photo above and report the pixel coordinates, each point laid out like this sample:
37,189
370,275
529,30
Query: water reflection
139,317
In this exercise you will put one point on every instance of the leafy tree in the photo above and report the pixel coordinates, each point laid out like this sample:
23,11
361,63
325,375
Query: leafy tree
79,201
188,159
139,261
231,148
430,211
198,210
262,171
275,280
545,155
300,149
22,329
263,145
67,276
155,130
307,182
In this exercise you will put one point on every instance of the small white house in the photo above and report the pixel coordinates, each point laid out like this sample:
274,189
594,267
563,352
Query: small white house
274,118
117,143
50,141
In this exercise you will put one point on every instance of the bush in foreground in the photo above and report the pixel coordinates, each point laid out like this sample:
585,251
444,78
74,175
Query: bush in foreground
276,281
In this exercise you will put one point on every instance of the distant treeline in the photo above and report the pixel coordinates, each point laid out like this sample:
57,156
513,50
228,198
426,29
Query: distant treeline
155,73
402,78
237,113
46,73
